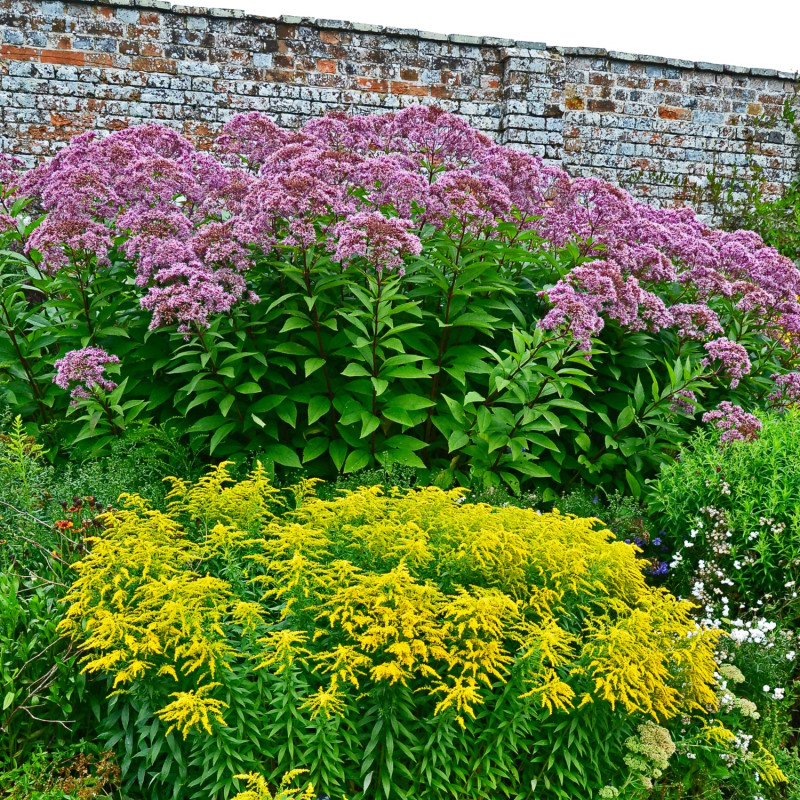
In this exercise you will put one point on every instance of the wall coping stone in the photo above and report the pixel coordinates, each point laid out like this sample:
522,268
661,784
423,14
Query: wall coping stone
455,38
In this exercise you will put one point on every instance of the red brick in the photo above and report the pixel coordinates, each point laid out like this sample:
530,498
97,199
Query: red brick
402,87
450,78
62,57
19,53
283,76
672,112
59,120
372,85
326,65
285,31
142,64
441,92
149,18
409,74
602,105
329,37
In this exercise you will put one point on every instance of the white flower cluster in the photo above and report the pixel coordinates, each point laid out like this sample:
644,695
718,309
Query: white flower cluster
752,631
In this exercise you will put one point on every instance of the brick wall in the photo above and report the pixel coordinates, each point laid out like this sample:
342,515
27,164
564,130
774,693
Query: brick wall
71,65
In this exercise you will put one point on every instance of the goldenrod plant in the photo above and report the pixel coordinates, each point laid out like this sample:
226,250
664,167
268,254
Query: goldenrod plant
396,644
258,788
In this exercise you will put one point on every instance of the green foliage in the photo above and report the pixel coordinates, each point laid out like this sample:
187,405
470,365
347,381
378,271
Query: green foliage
42,687
71,772
743,497
340,369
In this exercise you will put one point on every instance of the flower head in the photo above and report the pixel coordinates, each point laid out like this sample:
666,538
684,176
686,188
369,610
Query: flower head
734,421
83,371
733,358
382,242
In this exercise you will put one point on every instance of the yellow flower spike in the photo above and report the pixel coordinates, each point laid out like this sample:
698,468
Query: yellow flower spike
328,701
258,788
280,649
193,709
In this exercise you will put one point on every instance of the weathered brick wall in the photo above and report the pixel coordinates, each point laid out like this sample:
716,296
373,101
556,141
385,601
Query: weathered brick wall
71,65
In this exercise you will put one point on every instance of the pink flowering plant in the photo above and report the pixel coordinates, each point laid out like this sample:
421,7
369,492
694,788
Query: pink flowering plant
394,288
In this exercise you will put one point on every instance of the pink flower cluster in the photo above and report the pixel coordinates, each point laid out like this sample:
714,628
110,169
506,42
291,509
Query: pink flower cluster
365,188
734,421
733,359
382,242
151,185
787,390
83,370
10,169
684,402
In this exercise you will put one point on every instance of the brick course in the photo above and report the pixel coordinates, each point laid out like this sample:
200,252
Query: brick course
70,65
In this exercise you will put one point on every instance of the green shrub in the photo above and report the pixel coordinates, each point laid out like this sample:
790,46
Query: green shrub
400,645
735,507
43,695
376,290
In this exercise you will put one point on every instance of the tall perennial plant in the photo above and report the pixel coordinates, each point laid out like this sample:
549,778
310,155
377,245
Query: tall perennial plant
374,289
396,645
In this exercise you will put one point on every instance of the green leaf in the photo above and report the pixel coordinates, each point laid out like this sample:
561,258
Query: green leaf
338,451
8,700
220,435
293,323
226,403
636,487
403,442
411,402
369,423
208,423
287,411
626,416
638,393
292,349
353,370
315,448
583,441
379,385
318,406
457,440
248,387
357,460
283,455
313,364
